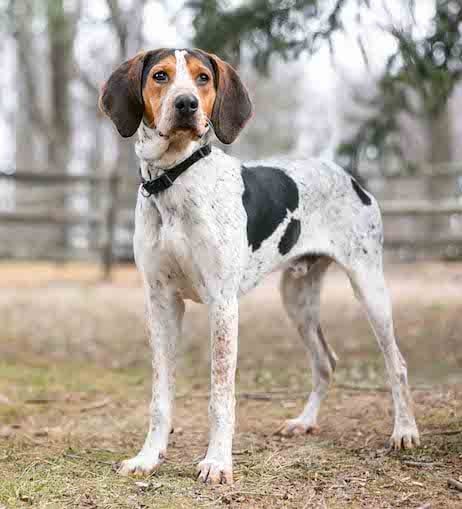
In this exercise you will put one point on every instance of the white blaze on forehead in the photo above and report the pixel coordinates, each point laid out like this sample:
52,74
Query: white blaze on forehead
183,78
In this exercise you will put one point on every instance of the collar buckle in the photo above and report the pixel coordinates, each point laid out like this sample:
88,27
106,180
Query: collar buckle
156,185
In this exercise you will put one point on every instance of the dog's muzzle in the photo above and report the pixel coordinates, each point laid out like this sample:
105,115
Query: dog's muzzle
186,107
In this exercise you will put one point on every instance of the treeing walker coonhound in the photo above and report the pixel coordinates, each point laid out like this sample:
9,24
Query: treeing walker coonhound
208,228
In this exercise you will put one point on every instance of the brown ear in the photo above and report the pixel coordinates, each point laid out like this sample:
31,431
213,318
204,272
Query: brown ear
121,96
232,108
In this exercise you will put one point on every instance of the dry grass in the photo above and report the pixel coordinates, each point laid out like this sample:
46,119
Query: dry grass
74,369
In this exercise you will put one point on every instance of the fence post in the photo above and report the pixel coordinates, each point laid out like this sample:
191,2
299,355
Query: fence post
110,224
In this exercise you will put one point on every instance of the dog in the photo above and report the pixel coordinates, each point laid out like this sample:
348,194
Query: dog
209,228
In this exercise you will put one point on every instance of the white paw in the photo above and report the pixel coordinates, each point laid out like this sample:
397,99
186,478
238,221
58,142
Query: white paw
143,464
293,427
405,437
215,472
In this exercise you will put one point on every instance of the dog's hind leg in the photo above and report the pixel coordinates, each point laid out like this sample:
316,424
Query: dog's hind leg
300,290
369,285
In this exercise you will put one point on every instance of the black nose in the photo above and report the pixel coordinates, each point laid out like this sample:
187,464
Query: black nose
186,104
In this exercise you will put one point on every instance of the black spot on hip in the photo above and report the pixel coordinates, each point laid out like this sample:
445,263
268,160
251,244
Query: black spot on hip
268,194
363,196
290,237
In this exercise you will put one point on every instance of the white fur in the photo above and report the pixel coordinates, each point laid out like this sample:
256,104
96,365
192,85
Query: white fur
191,242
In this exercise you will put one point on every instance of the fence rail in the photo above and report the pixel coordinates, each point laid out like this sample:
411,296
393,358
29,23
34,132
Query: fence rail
420,208
116,212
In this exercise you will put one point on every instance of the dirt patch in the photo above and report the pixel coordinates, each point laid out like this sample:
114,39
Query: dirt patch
74,381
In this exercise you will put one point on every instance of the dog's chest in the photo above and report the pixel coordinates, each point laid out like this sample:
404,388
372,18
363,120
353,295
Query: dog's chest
188,239
162,236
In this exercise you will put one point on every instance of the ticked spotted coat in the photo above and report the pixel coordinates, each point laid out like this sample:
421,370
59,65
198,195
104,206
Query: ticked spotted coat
222,226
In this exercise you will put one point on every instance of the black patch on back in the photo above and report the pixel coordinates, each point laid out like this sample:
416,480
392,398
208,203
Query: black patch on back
363,196
268,194
290,237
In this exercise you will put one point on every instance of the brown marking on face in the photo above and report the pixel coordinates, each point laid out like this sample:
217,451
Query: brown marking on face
206,91
132,93
153,92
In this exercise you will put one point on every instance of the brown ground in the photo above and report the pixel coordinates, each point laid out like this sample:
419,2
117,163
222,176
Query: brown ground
74,390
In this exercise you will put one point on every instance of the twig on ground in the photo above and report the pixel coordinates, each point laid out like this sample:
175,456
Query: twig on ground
444,432
365,388
452,483
96,405
405,498
412,463
40,401
259,396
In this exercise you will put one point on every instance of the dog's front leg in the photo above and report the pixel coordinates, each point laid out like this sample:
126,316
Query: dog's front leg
217,467
165,311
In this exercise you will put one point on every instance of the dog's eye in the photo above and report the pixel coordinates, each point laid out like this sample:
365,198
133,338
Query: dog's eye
161,76
202,79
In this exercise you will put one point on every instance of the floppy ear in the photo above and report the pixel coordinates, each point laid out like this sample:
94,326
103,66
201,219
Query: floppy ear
121,96
232,108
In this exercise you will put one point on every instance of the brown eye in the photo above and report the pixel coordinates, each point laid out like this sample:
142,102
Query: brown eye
202,79
161,77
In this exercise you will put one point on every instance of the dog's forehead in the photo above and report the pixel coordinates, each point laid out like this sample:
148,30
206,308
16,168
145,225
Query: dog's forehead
181,57
203,58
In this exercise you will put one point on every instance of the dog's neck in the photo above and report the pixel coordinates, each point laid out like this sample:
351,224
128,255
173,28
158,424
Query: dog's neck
158,153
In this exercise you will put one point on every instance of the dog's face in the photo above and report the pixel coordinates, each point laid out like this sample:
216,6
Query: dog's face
178,93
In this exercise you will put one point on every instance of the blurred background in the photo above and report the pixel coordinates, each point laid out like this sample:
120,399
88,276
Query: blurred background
373,84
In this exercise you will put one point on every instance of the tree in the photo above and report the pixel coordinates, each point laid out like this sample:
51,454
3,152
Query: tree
418,81
265,27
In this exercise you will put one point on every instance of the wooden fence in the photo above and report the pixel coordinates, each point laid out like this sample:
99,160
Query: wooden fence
116,213
105,219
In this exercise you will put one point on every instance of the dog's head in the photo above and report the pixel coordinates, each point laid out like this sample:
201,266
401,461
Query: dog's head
178,93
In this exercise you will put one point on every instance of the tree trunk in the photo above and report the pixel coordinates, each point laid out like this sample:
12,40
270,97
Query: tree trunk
24,81
60,36
32,128
439,151
440,146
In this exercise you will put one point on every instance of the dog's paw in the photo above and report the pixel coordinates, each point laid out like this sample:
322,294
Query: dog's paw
293,427
405,437
142,465
214,472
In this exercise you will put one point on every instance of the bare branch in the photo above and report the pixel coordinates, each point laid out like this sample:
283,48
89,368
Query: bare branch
24,45
119,25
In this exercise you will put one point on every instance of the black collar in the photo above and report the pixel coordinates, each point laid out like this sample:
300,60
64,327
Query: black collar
163,182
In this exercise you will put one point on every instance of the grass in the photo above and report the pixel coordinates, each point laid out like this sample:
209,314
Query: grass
74,368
